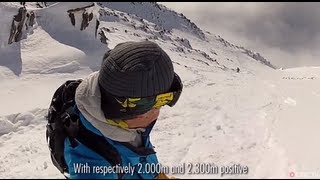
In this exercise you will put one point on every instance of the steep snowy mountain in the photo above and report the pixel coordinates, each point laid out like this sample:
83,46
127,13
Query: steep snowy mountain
223,117
83,31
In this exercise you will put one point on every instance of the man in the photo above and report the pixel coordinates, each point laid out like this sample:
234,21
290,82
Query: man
117,109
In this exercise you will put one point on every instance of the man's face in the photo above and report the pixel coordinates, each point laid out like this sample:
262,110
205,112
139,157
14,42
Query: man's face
143,120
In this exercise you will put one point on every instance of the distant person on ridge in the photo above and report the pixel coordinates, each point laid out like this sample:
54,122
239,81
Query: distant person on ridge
105,119
238,69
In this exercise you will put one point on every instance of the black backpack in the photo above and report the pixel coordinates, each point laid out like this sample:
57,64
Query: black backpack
64,122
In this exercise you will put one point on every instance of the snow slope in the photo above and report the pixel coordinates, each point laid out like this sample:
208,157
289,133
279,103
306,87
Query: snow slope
261,117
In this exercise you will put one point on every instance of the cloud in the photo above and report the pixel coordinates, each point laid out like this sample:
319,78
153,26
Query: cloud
280,30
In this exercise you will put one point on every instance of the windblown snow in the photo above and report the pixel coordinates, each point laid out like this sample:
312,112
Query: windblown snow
261,117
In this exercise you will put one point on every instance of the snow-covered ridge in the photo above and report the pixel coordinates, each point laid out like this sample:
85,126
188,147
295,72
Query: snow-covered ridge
88,27
165,20
250,53
158,14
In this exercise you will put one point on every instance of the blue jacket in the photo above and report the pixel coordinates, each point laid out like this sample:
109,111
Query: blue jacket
85,163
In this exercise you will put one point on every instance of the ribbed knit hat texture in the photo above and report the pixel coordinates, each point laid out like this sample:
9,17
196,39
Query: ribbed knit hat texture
136,69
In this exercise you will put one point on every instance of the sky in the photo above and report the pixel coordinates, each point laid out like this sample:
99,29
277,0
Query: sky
285,33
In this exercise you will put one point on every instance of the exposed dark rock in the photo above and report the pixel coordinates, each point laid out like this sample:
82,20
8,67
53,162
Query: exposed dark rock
38,5
31,18
97,26
258,57
20,14
17,24
103,37
85,21
81,8
90,16
72,18
86,17
184,42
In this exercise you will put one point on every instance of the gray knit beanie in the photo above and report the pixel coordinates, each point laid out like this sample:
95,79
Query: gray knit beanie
136,69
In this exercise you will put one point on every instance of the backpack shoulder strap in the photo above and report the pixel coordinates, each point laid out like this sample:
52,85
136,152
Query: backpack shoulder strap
63,121
98,144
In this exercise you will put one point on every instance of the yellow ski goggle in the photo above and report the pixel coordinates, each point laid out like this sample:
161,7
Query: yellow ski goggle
143,103
125,108
158,101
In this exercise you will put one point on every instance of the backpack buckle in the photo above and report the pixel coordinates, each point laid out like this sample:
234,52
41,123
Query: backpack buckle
50,127
70,122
